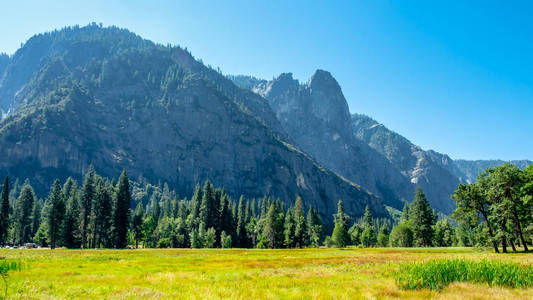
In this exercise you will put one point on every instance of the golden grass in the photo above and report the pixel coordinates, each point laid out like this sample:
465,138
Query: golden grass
238,274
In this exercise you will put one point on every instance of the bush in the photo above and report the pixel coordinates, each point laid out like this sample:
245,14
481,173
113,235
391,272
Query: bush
438,274
401,236
163,243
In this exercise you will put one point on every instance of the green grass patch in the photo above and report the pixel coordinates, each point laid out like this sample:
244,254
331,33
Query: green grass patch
437,274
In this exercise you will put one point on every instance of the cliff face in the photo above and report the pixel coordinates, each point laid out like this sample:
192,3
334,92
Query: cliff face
427,169
317,117
107,97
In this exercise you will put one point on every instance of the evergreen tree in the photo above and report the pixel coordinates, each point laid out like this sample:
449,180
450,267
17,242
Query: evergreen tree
71,227
137,223
421,220
300,226
87,196
102,210
4,212
383,236
242,239
36,216
314,228
368,236
289,225
340,237
208,206
121,211
56,214
273,228
23,214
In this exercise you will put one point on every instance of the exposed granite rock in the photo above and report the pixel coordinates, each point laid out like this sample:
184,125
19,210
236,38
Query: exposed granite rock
317,117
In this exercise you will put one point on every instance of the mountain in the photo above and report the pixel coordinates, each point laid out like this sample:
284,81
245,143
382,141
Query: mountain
426,169
106,96
316,116
469,169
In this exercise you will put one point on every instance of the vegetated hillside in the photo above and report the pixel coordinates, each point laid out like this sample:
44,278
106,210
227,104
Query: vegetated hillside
106,96
316,116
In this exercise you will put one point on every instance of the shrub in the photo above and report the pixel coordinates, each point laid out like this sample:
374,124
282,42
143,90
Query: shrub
401,236
437,274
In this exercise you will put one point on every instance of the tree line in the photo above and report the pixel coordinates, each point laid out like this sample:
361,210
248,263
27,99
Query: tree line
495,211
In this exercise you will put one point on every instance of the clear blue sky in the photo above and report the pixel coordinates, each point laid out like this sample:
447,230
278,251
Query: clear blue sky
450,76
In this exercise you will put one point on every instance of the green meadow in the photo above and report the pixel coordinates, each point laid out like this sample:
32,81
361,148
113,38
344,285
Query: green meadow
351,273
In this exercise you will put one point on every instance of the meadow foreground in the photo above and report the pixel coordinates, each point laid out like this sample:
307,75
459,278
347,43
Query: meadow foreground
350,273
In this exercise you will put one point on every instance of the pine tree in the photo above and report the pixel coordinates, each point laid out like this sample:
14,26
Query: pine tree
273,228
314,228
208,207
137,223
23,212
4,212
421,220
71,227
56,214
242,239
36,216
87,197
102,214
300,226
383,236
340,236
289,237
121,211
368,236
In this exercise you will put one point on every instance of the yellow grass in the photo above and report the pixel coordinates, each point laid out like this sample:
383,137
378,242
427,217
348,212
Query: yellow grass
237,274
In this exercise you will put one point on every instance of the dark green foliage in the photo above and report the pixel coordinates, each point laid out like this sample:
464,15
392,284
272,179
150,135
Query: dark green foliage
71,226
121,211
273,228
4,212
23,215
242,238
315,230
383,236
421,220
56,214
87,197
401,236
136,224
300,225
340,237
102,215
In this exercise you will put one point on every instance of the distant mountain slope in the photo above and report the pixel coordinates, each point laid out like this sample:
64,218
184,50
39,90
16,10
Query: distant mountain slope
470,169
423,168
106,96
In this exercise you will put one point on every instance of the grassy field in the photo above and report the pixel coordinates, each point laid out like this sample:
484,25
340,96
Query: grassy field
239,274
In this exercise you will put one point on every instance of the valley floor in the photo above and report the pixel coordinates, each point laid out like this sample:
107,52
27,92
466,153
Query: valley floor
237,274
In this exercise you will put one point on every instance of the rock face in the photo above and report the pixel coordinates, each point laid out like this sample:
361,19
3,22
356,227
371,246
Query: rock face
105,96
426,169
317,117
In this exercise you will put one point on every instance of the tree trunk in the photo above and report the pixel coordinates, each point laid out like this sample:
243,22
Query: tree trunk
519,229
494,244
512,245
504,244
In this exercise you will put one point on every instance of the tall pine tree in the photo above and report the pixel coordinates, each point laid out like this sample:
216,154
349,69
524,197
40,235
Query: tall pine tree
4,212
421,220
121,211
87,197
56,214
340,235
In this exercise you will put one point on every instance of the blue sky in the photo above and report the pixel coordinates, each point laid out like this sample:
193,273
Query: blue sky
451,76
